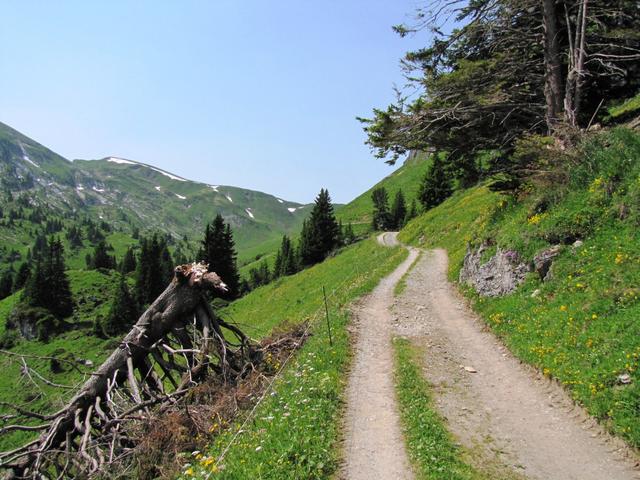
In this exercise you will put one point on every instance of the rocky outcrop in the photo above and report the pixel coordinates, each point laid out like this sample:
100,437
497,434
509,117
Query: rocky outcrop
543,260
500,275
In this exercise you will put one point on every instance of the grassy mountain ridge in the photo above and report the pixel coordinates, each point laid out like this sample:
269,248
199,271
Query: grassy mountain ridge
129,194
406,178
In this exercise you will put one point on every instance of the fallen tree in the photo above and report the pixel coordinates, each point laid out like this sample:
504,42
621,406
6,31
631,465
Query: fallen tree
176,343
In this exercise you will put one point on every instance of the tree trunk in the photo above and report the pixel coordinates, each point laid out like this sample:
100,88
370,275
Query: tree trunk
175,336
553,90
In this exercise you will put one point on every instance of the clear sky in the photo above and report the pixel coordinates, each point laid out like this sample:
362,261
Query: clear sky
260,94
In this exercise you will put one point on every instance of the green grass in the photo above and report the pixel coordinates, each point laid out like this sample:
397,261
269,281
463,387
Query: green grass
582,327
431,448
626,109
295,432
92,291
401,286
407,178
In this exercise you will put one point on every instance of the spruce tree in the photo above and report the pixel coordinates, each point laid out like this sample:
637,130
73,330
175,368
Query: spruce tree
128,264
22,276
218,250
285,263
122,313
6,284
101,257
48,285
60,300
412,212
436,187
398,211
381,216
322,232
153,271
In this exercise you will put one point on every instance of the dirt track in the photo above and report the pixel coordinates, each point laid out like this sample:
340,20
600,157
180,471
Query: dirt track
510,418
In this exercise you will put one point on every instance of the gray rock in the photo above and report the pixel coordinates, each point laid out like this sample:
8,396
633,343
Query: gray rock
577,244
624,379
500,275
535,293
542,261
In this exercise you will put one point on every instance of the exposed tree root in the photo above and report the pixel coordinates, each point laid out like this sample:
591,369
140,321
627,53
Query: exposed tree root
156,375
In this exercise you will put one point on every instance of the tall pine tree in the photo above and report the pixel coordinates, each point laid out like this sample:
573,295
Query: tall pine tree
398,211
154,269
286,263
218,250
436,186
320,234
48,286
122,313
381,216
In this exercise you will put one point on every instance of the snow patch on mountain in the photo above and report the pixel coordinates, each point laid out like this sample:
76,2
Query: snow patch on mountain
167,174
214,187
181,197
248,210
121,161
96,189
25,157
281,201
157,187
229,198
292,209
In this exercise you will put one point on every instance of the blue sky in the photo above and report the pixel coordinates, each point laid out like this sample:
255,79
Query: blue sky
257,94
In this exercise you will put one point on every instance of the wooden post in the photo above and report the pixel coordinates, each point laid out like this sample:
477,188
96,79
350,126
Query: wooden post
326,310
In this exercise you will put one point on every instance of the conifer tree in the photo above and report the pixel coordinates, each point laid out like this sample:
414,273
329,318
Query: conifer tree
122,313
412,212
218,250
101,257
60,300
128,264
398,211
6,284
48,286
321,235
22,276
381,215
153,270
436,187
285,263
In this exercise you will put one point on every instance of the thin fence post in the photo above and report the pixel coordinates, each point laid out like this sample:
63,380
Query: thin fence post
326,309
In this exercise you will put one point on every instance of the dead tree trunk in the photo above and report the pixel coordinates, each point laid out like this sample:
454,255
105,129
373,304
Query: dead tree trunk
173,345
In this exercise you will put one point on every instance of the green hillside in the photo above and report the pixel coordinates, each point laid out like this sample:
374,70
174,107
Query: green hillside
580,326
406,178
304,443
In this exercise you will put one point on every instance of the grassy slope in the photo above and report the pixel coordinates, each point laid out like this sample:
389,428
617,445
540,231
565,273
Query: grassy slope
92,290
407,178
582,328
295,432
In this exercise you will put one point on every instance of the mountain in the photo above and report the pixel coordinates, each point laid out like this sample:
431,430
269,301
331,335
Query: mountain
129,194
406,178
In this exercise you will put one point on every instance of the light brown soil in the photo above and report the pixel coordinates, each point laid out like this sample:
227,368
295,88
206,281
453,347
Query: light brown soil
374,448
513,421
503,411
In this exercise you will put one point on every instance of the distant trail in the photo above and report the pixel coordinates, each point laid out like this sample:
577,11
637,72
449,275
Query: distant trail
374,447
496,406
